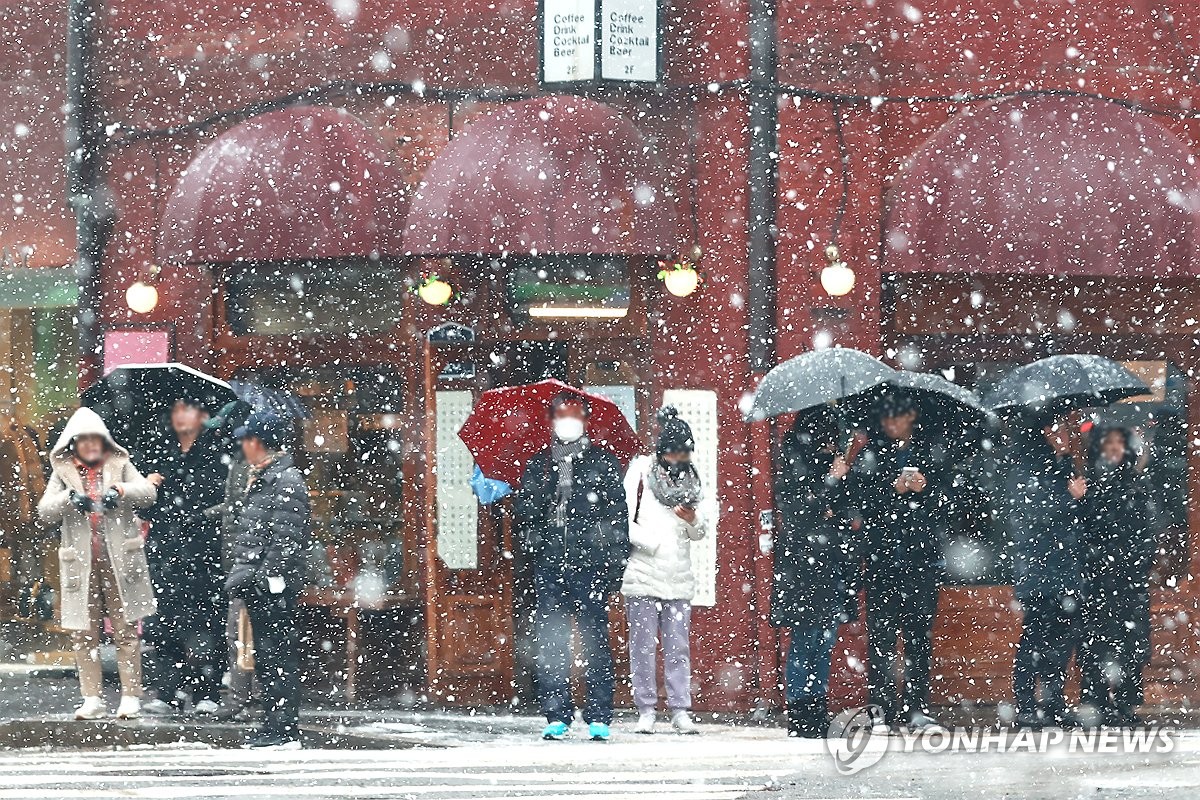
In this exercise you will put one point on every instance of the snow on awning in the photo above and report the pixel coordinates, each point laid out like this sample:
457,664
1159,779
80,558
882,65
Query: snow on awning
551,175
1050,185
299,183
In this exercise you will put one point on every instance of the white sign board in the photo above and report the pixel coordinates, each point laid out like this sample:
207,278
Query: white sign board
568,41
629,40
457,511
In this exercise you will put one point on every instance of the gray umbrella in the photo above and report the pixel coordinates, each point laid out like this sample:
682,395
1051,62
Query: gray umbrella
1060,383
816,378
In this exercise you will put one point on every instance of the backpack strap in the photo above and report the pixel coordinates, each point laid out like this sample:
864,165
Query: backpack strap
637,508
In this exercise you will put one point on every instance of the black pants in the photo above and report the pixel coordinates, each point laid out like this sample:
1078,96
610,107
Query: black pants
1048,636
900,610
277,660
185,641
1114,645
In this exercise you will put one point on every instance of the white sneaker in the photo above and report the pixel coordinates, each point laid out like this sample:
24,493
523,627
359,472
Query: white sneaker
205,708
130,707
92,708
682,722
645,723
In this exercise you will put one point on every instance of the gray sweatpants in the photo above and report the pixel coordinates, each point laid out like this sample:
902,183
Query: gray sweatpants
651,621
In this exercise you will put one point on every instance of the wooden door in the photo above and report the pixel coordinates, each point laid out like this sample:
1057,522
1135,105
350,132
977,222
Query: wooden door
467,548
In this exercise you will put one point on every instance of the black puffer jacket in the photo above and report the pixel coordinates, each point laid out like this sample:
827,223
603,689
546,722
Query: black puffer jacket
902,532
595,542
814,584
272,532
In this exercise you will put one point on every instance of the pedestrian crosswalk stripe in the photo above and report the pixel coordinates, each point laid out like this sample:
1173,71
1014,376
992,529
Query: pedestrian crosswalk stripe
208,773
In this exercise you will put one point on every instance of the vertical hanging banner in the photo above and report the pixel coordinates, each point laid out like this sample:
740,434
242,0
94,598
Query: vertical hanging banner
629,40
568,41
600,41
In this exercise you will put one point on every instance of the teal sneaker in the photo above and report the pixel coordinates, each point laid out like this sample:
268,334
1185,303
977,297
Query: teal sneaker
598,731
556,731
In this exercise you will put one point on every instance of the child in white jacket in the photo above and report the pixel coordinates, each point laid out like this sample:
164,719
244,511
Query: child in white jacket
662,491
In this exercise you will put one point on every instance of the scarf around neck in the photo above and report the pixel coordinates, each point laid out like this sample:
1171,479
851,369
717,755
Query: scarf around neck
564,455
675,487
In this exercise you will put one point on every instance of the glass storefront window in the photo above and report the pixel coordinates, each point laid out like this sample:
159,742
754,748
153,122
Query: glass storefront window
313,297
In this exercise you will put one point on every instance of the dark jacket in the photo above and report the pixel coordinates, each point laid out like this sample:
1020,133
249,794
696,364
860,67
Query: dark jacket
272,532
813,583
184,545
1046,524
1120,536
595,542
901,537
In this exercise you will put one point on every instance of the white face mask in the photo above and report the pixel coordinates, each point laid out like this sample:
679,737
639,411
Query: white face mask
568,429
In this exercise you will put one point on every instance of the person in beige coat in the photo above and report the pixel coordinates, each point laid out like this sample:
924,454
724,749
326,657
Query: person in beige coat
93,493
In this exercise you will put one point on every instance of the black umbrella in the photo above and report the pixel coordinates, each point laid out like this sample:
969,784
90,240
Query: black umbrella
134,399
1062,383
944,405
816,378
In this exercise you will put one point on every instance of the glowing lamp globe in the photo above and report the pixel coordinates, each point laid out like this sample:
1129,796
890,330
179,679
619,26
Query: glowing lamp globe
436,291
681,281
141,297
837,279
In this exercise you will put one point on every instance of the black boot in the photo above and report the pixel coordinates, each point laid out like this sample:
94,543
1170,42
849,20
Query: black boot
802,718
820,717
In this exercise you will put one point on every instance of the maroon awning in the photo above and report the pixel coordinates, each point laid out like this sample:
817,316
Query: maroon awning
554,174
292,184
1050,185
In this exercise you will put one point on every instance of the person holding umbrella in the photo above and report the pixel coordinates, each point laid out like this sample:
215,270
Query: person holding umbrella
190,468
93,494
572,520
1046,518
814,588
898,485
1115,641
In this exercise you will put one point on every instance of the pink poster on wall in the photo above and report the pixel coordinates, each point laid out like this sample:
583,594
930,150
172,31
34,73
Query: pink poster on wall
141,346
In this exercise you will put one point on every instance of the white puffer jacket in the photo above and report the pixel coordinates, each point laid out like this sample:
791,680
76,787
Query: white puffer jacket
660,565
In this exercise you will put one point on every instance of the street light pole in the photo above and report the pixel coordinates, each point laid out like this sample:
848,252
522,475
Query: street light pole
86,190
761,325
761,190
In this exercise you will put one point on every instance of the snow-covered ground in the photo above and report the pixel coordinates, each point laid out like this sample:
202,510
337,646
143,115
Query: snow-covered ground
721,764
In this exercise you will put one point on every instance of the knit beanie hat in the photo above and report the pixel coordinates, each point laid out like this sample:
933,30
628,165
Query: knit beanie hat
674,435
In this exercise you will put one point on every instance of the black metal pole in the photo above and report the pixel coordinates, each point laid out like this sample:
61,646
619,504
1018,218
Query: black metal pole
86,190
760,251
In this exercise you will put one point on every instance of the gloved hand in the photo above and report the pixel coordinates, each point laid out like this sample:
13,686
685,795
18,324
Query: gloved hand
82,503
111,498
275,584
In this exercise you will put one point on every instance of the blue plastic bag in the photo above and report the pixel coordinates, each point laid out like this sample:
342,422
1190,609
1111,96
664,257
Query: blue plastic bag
488,490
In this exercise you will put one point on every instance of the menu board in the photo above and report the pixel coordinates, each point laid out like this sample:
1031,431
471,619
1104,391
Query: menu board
629,40
568,41
619,38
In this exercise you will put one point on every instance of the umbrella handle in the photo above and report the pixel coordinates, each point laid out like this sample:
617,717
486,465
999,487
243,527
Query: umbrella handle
857,443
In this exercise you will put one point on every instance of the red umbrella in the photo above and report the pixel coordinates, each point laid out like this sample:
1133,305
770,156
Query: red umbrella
509,426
